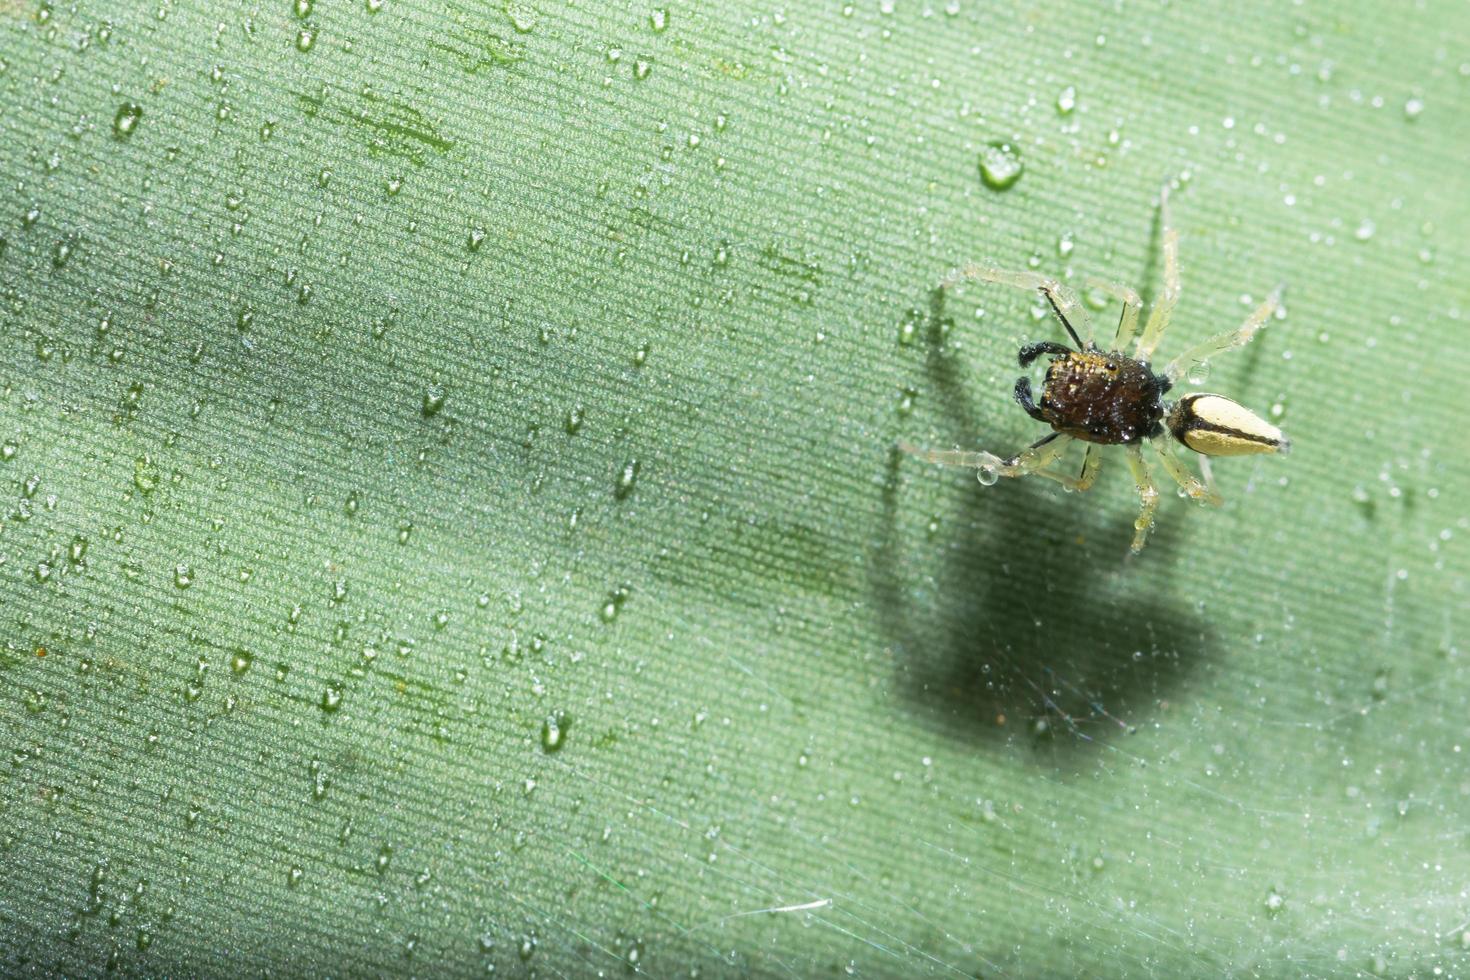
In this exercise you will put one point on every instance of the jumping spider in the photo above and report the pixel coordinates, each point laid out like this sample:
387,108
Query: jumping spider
1108,398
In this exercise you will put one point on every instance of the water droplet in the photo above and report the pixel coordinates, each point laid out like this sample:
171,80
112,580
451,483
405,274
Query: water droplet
8,450
294,876
1000,165
1198,373
987,475
352,504
144,473
908,327
477,238
240,661
522,16
183,575
305,39
331,698
126,120
554,731
627,479
659,20
1275,902
906,398
640,356
1365,230
614,604
1413,108
575,414
433,399
1067,100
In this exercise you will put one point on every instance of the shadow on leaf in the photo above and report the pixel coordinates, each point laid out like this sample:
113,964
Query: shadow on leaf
1034,624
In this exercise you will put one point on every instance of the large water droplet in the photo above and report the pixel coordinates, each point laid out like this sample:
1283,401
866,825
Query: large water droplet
1000,165
987,475
126,119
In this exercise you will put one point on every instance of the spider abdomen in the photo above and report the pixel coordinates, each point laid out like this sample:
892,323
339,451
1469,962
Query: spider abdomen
1102,396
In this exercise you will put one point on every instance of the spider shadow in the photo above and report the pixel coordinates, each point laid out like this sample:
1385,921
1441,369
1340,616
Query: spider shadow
1034,625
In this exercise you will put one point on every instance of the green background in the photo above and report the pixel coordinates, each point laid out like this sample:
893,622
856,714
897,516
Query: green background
399,378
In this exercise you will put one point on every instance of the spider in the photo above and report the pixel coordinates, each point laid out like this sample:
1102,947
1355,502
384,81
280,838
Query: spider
1107,398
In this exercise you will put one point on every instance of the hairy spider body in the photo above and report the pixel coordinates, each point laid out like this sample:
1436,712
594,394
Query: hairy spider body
1107,398
1097,396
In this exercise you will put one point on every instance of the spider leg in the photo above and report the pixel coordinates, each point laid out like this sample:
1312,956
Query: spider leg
1229,341
1035,457
1031,352
1148,496
1085,479
1175,467
1063,301
1128,322
1023,398
1158,317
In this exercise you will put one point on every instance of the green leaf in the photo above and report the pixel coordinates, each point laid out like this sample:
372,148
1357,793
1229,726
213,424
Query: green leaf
452,516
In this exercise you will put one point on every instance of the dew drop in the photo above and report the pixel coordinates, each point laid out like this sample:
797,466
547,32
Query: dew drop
477,238
1365,230
1000,165
305,39
987,475
126,119
659,20
554,731
144,473
627,480
1413,108
522,16
575,415
240,661
183,575
614,603
331,698
433,399
908,327
1198,373
1067,100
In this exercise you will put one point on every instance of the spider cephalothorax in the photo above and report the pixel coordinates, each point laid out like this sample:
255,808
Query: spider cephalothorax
1111,398
1097,396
